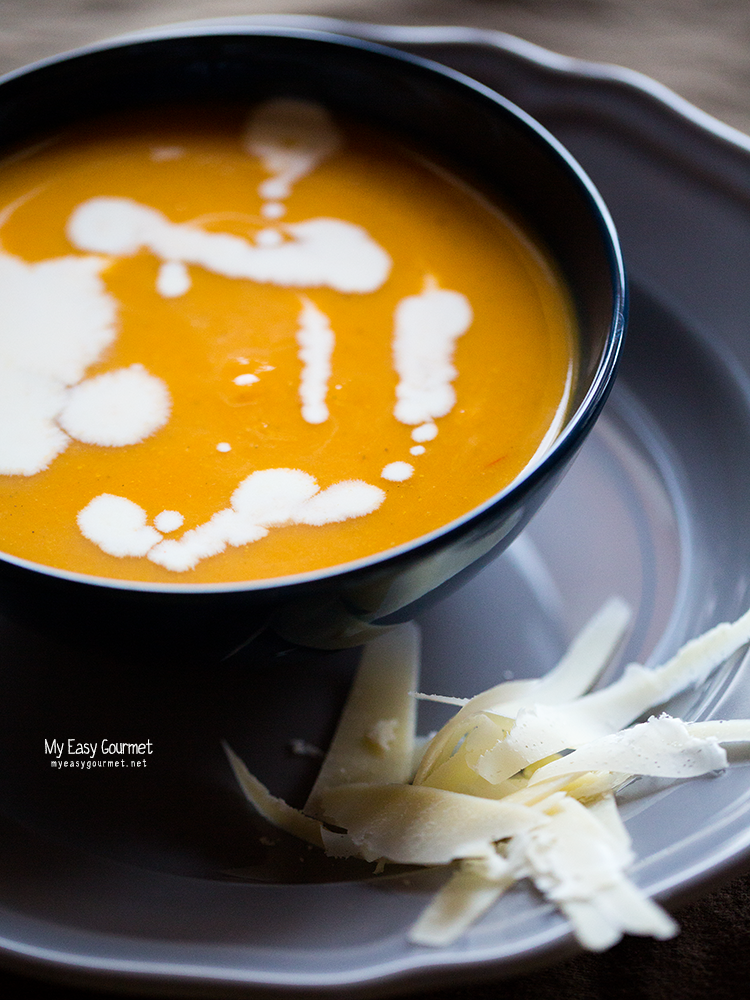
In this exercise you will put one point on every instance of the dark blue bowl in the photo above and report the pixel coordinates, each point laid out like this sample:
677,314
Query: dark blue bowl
486,139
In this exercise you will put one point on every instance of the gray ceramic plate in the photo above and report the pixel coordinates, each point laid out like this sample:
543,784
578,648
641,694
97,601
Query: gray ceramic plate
159,878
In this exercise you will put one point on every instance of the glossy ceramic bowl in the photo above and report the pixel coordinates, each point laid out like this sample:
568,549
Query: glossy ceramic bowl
484,138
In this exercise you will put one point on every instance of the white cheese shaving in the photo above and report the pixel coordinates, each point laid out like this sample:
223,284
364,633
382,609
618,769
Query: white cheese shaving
662,747
441,699
588,655
556,821
382,689
576,863
416,825
542,730
465,898
274,809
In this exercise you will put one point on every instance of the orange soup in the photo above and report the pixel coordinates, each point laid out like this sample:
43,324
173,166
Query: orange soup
246,344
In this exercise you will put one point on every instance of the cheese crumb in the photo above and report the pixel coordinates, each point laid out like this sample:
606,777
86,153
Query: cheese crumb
301,748
382,734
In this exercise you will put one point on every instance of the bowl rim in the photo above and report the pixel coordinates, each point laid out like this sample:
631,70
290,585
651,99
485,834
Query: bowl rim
576,425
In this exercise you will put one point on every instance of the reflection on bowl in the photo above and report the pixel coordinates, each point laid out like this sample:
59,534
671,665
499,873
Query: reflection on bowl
334,592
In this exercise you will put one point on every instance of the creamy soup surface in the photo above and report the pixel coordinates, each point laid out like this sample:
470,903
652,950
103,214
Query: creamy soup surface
239,344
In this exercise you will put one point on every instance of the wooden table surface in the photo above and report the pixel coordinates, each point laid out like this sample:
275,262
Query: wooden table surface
700,49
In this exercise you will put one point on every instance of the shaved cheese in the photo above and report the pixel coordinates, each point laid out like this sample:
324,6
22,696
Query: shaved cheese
543,730
578,864
698,658
441,699
275,810
662,747
381,694
725,731
459,772
586,658
493,795
461,902
416,825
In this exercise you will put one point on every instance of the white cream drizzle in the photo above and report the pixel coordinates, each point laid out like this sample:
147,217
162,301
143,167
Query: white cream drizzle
268,238
116,408
57,320
290,137
272,210
168,521
425,432
173,279
316,341
427,327
163,154
398,472
57,316
118,526
319,252
30,439
266,499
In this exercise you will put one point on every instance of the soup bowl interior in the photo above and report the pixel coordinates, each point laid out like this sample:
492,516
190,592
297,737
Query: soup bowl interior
483,139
